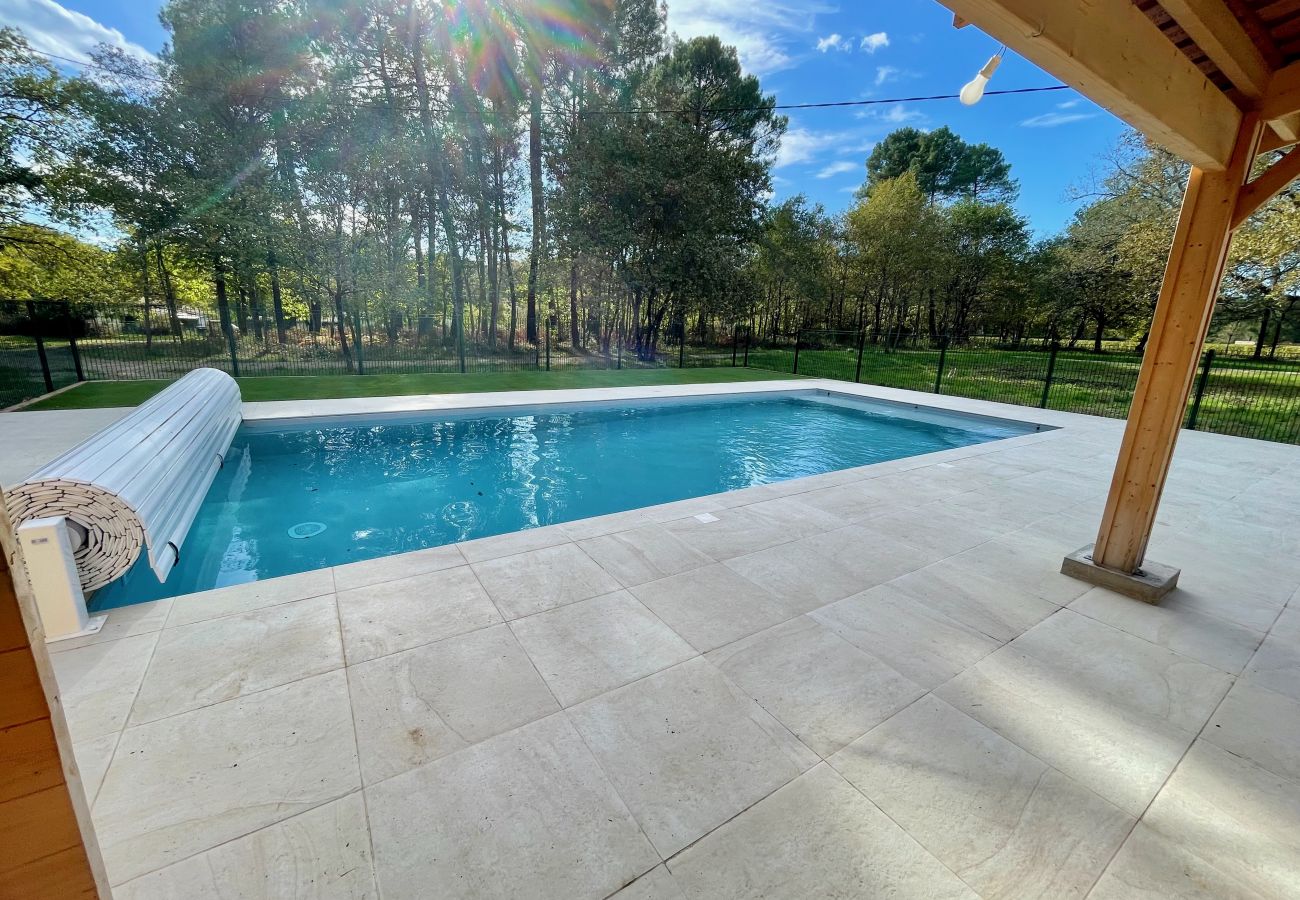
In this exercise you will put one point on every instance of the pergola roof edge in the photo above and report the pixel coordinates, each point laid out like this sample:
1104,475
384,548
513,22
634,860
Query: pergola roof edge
1113,54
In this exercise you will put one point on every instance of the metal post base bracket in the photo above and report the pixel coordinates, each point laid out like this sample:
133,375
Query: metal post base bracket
47,554
1148,584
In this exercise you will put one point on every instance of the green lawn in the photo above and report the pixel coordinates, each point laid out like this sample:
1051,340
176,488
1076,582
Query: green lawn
94,394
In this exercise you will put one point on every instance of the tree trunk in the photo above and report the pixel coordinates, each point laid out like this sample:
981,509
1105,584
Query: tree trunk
340,323
255,296
1277,328
223,300
575,339
539,213
415,239
277,298
146,288
1263,331
169,294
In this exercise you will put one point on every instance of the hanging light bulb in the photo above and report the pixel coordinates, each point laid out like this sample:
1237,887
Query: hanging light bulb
974,89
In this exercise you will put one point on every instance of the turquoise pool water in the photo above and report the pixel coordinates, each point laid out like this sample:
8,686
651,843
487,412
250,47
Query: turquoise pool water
306,495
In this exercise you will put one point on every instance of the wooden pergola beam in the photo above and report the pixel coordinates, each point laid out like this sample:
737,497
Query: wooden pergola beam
1283,95
1217,31
1264,188
1112,53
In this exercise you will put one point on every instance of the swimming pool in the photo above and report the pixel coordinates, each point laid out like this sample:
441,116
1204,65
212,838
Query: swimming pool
300,495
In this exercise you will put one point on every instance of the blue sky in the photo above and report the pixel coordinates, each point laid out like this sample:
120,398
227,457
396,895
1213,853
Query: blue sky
804,51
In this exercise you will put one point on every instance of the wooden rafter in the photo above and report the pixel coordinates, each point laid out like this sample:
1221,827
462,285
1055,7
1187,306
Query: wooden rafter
1219,34
1111,52
1266,186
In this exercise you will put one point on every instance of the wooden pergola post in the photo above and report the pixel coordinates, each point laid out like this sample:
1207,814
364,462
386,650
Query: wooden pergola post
1178,331
47,844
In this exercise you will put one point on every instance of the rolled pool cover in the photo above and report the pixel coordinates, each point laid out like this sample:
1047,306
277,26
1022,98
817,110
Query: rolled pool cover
139,482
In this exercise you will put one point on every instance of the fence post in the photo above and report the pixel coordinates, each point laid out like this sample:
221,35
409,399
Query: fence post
943,359
1051,370
40,347
72,342
548,342
735,339
681,347
798,337
1206,364
749,335
620,352
862,342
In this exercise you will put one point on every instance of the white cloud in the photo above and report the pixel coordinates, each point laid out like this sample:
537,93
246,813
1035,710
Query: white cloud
1068,104
838,168
832,42
873,42
799,145
763,33
53,29
1054,119
885,73
897,114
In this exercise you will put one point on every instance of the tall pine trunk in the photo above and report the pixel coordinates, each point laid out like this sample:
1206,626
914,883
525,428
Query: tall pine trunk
539,213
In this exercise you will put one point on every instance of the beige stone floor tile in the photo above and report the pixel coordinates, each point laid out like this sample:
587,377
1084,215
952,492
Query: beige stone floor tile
643,554
711,606
977,598
1276,665
657,884
1234,817
219,659
123,621
242,598
819,686
683,753
93,757
400,565
524,814
732,532
796,518
187,783
513,542
815,837
1208,639
1027,561
418,705
921,643
1216,598
593,646
99,682
322,854
398,615
531,582
612,523
1004,821
1110,710
1149,867
937,529
809,573
852,502
1259,725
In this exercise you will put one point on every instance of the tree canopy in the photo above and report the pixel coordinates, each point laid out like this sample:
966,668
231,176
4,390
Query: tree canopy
452,173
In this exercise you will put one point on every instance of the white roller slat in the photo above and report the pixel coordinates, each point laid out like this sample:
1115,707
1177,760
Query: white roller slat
138,483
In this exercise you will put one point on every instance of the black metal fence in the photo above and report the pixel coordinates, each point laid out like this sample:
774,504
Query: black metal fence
47,346
1234,393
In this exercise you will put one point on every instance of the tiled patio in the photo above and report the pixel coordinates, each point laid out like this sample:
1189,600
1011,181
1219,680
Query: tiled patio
869,683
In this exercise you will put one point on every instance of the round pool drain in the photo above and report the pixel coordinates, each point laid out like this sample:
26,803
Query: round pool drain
306,529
